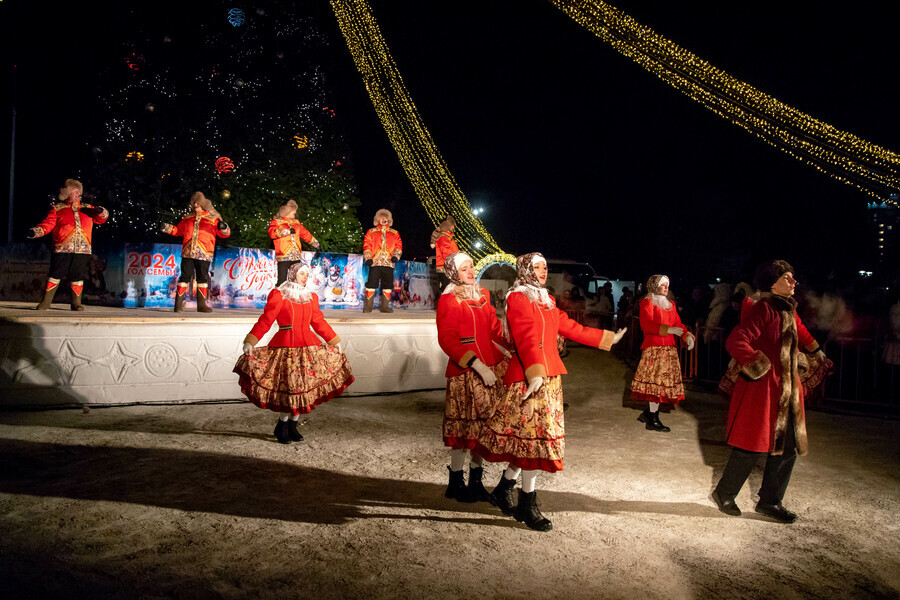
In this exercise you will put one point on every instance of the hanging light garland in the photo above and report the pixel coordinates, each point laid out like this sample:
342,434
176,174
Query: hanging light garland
839,154
418,154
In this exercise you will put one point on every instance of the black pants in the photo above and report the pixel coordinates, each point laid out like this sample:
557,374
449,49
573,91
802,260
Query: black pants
383,275
443,281
67,265
776,475
283,266
191,267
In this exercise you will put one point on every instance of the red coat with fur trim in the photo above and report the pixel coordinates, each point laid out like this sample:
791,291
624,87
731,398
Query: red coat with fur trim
655,323
199,234
294,320
467,329
767,344
533,327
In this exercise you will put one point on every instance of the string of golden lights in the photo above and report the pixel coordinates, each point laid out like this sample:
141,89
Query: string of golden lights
418,154
839,154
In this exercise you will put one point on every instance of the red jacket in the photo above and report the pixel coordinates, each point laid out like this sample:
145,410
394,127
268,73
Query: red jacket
534,327
769,385
287,247
467,329
381,244
199,237
294,320
71,228
655,323
444,247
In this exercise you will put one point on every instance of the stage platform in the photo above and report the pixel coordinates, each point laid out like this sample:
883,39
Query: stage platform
107,356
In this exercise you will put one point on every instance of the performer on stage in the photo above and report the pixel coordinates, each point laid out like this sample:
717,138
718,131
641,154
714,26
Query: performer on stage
658,375
296,371
468,328
382,248
71,223
766,415
286,232
444,245
527,429
199,231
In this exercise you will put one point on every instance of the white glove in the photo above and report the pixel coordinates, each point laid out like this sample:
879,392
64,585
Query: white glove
484,372
248,348
821,354
690,343
339,348
676,331
619,335
533,386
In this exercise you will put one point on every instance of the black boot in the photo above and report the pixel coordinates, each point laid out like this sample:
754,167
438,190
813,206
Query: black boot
475,488
292,432
386,304
503,496
370,303
456,488
201,304
76,300
651,421
47,299
179,302
527,512
281,432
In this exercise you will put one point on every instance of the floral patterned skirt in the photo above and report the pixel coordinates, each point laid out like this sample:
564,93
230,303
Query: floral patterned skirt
529,434
658,376
293,380
468,404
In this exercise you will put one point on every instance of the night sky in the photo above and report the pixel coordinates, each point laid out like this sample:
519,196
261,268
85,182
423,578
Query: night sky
573,149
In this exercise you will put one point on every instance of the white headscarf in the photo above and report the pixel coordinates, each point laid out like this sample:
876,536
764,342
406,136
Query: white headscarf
293,291
456,286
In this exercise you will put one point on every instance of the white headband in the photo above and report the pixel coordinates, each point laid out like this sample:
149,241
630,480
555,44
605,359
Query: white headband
460,258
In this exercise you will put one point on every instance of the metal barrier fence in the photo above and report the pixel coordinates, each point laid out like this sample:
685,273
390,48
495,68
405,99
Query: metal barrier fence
863,380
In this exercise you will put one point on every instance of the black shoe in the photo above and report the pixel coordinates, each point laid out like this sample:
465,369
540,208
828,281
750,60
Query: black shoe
292,432
726,505
475,488
281,433
456,487
527,512
503,496
776,511
654,424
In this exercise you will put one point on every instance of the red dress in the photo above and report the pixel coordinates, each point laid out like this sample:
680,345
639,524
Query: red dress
658,375
530,434
467,329
296,371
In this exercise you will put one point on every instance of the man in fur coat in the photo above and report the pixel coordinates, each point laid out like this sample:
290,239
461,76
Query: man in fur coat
766,415
382,248
70,222
199,232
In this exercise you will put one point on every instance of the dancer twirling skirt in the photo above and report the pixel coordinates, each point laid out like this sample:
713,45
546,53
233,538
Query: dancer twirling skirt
527,428
468,328
296,371
657,378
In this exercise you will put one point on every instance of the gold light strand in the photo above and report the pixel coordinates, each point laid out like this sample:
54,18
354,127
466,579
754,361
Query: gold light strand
418,154
839,154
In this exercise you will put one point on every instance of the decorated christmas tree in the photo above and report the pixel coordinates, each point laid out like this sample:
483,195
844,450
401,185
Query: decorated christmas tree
232,101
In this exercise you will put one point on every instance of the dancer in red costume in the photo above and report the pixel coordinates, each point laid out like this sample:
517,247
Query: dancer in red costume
658,376
527,429
71,223
468,328
444,245
296,371
286,232
198,231
382,248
